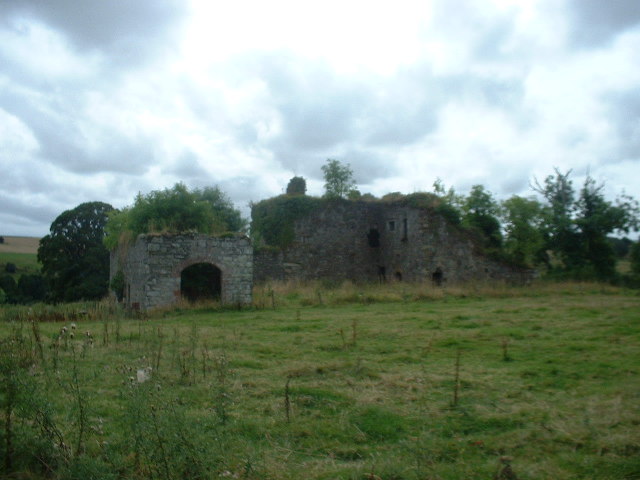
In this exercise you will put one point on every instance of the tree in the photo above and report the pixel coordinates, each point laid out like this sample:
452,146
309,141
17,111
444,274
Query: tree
522,220
339,182
450,204
297,186
226,218
175,210
559,231
75,262
576,230
480,212
596,219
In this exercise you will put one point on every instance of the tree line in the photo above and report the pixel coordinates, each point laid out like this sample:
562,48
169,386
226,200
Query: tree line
562,231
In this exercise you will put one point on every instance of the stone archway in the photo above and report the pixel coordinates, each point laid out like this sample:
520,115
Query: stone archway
201,281
157,269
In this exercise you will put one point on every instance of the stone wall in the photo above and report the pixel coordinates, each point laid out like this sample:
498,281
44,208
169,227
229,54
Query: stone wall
339,241
152,267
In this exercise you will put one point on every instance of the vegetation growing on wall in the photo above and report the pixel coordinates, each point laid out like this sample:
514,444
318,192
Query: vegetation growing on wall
273,220
175,210
297,186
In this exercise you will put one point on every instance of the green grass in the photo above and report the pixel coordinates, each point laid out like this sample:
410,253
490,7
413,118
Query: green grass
26,263
370,389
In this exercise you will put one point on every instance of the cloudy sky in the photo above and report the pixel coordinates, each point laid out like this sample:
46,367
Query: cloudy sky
102,99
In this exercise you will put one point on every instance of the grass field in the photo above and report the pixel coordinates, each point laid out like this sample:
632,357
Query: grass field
22,252
450,384
20,245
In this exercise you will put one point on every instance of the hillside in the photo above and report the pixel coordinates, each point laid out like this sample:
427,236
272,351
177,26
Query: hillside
20,245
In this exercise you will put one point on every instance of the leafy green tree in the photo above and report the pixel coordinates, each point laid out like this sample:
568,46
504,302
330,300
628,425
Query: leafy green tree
75,262
596,219
559,230
480,212
576,230
225,217
175,210
297,186
522,221
338,178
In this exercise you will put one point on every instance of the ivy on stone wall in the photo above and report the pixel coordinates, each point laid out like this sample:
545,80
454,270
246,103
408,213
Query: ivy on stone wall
273,220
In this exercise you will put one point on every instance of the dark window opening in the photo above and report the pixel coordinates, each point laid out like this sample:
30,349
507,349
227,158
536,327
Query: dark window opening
382,274
398,276
392,225
202,281
404,230
374,238
437,277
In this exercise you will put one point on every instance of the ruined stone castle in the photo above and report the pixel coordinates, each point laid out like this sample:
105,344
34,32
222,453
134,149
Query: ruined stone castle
380,241
337,240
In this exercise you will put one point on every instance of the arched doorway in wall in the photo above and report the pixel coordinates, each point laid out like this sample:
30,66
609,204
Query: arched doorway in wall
201,281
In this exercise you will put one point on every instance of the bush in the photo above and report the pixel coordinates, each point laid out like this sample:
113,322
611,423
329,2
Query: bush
10,268
175,210
9,286
31,288
297,186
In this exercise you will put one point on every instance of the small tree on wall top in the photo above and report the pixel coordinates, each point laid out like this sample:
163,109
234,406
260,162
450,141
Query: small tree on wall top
338,178
297,186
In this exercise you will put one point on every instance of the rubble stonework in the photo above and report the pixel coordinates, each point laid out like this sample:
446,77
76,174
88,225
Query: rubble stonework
376,241
153,264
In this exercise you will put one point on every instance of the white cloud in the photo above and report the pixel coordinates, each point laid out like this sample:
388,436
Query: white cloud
101,100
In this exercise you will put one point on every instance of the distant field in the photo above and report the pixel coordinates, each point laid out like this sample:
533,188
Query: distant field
20,245
22,252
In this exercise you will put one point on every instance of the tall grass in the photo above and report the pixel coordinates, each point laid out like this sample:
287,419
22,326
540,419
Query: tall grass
359,385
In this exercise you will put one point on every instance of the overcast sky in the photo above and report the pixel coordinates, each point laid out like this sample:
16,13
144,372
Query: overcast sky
102,99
